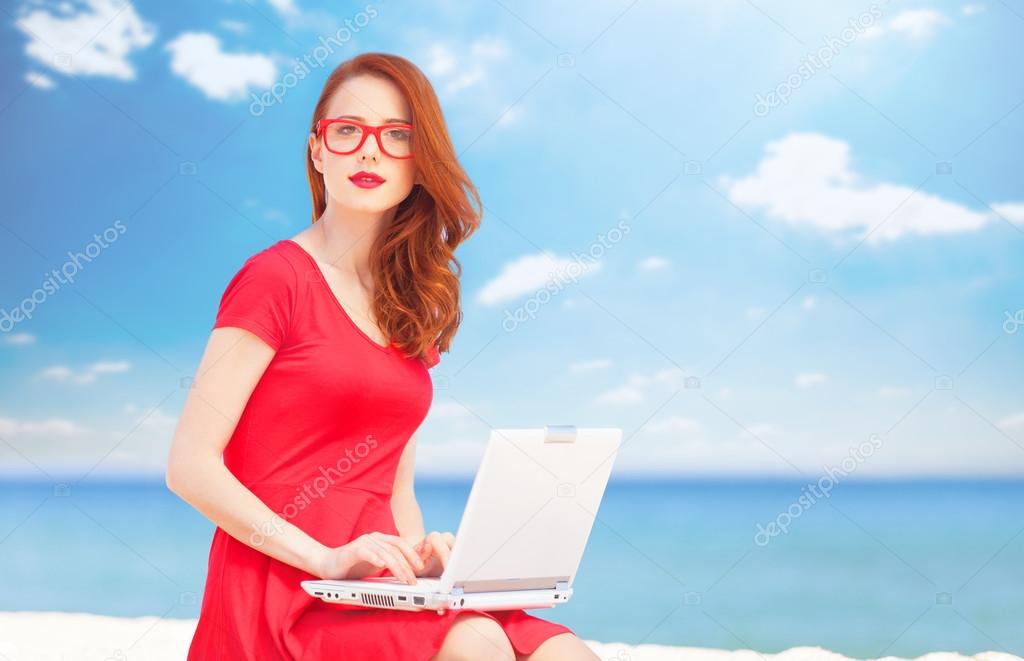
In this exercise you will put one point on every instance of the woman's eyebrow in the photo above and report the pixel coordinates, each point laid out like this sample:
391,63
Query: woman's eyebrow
386,121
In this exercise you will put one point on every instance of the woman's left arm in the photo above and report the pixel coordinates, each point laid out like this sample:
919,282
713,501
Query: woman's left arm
436,547
404,508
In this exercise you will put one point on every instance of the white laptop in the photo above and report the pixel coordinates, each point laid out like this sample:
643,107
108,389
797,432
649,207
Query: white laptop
522,535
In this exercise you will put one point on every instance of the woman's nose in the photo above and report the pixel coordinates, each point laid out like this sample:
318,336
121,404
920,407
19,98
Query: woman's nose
370,148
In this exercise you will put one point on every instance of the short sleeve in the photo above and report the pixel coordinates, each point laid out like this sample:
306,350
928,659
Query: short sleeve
260,298
432,356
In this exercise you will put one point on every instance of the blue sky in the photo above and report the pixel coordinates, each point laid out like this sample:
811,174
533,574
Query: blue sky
755,236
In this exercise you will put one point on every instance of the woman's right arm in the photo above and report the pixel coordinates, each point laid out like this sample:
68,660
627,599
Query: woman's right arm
231,366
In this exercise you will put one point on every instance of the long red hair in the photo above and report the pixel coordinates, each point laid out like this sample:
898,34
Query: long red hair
413,264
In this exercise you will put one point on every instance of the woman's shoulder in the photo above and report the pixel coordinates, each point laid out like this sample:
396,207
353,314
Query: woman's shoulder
277,258
272,268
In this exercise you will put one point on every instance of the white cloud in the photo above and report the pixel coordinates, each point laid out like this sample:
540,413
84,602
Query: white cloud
893,391
449,457
654,264
1012,211
629,393
673,424
238,27
587,366
670,375
489,47
457,71
917,24
808,379
109,367
743,454
972,8
133,440
96,41
15,429
464,79
638,386
805,179
439,60
531,273
197,57
809,302
20,338
64,374
284,7
39,80
511,116
1013,422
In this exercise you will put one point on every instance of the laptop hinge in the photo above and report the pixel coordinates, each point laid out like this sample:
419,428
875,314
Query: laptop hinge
509,584
560,433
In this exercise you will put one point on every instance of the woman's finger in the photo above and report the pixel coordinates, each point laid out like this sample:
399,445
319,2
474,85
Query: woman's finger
395,561
366,554
407,550
440,545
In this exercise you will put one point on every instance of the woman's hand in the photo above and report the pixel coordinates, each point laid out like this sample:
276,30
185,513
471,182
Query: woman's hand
434,550
368,554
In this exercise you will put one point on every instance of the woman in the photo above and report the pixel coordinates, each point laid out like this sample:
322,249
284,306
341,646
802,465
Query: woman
297,436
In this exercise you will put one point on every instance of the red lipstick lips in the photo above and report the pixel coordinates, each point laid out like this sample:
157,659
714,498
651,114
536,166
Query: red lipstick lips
366,179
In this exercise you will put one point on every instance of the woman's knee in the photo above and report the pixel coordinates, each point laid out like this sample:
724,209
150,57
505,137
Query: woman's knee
472,637
562,647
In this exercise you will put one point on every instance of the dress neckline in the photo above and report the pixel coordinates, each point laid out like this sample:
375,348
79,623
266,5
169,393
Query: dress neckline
330,293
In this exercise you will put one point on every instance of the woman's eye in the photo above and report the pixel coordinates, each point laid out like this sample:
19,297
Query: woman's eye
398,134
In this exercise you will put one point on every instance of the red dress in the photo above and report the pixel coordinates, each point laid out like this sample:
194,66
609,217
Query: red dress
318,442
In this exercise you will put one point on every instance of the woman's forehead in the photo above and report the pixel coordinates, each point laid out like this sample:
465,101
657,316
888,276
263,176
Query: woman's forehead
375,99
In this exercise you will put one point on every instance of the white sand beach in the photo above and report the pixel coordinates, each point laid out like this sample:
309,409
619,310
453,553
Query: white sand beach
49,636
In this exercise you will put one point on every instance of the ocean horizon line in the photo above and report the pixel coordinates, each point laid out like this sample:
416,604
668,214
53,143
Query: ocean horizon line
625,478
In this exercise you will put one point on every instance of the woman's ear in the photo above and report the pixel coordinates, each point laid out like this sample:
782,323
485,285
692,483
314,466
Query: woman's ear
314,153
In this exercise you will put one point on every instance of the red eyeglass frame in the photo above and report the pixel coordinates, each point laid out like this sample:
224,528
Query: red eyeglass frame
322,124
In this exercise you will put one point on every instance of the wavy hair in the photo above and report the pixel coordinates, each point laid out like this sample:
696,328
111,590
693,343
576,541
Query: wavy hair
412,262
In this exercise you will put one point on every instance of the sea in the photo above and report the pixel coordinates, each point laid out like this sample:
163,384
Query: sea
871,568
